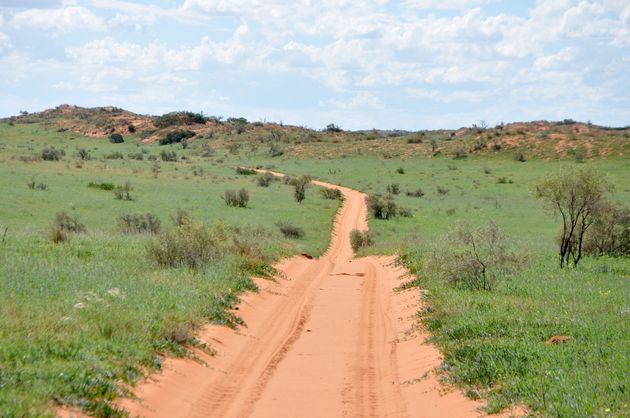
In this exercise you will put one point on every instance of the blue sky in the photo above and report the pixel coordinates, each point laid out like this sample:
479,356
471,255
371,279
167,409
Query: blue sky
411,64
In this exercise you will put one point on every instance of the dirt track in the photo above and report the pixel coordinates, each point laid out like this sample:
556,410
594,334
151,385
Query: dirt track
329,339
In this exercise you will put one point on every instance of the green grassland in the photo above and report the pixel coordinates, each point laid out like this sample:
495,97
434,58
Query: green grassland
81,319
129,308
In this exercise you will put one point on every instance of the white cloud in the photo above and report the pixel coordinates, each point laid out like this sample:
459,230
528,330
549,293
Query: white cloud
63,19
561,58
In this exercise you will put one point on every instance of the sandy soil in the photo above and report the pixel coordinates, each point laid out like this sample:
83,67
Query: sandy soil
330,338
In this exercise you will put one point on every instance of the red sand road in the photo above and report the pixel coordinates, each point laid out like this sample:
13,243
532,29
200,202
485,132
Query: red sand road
331,338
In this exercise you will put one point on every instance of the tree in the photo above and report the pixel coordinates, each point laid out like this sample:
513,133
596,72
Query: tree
299,185
578,197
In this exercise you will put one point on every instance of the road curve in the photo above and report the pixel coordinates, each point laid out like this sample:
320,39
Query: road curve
329,338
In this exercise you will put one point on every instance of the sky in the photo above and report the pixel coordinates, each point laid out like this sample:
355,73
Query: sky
409,64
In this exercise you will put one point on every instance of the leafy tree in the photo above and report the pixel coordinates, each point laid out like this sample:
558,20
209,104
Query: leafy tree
578,197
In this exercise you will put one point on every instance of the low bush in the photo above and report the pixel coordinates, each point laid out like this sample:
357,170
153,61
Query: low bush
400,170
236,199
83,154
290,231
415,193
475,259
117,138
115,156
123,192
382,207
332,194
519,156
393,188
134,223
102,186
181,217
459,154
441,190
245,171
176,136
136,156
299,184
37,185
609,233
52,154
265,179
360,239
63,226
405,212
169,156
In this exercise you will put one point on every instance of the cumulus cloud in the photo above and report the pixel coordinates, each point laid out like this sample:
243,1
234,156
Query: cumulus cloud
63,19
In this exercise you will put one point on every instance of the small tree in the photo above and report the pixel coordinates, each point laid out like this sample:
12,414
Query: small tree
610,232
577,196
299,185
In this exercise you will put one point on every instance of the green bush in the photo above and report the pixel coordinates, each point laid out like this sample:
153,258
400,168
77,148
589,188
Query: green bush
415,193
382,207
123,192
117,138
83,154
265,179
52,154
475,259
102,186
134,223
176,136
290,231
63,226
136,156
236,199
169,156
393,188
360,239
245,171
115,156
332,194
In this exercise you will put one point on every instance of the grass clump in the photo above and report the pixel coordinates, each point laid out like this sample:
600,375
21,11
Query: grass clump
415,193
168,156
135,223
123,192
63,226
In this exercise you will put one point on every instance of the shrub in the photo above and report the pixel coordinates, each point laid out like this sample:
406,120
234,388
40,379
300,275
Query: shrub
52,154
441,190
176,136
134,223
168,155
415,193
181,217
393,188
131,128
275,150
400,170
405,212
331,127
299,184
102,186
474,259
136,156
63,225
290,231
459,154
519,156
332,194
360,239
35,185
610,231
83,154
115,156
382,207
265,179
123,192
245,171
117,138
502,180
178,118
236,199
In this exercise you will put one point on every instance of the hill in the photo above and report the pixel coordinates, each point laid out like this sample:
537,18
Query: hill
537,139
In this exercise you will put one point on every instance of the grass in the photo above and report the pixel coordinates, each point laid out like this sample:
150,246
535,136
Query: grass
80,321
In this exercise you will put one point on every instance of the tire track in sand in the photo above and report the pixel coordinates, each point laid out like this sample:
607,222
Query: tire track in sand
330,338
